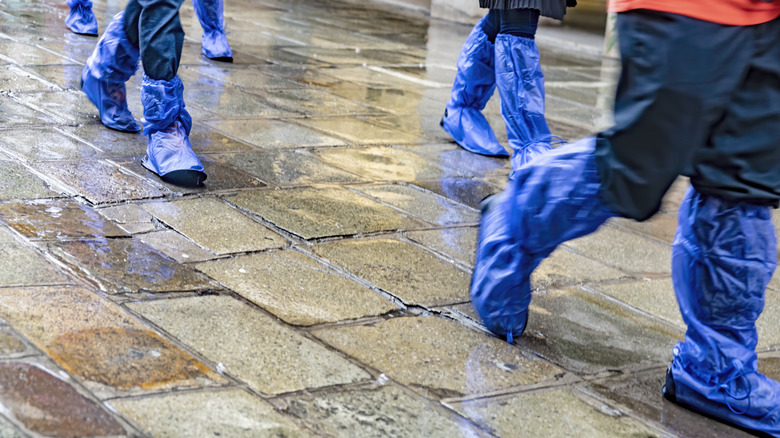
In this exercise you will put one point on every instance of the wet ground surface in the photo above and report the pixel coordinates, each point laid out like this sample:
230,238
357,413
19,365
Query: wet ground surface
318,284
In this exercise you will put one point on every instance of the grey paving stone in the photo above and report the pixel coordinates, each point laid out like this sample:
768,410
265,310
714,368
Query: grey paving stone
425,205
438,357
382,163
323,212
228,331
401,269
229,413
273,134
17,182
288,168
215,225
57,219
296,288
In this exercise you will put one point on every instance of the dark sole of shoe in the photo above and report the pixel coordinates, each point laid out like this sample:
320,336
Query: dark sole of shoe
185,178
669,391
228,59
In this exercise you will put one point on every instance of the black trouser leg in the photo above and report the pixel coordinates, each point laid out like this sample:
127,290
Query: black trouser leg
154,26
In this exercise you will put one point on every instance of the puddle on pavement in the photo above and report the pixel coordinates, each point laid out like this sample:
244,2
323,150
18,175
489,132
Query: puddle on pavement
47,405
57,219
382,163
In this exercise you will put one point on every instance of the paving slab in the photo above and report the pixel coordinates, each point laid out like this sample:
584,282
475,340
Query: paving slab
229,413
288,168
251,79
10,344
425,205
588,334
382,163
323,212
467,191
625,250
196,219
274,134
14,114
359,131
205,139
99,343
454,156
385,100
458,243
17,182
99,181
57,219
176,246
28,54
230,103
65,76
565,268
17,80
47,405
377,411
70,106
662,226
228,331
37,270
128,266
657,298
401,269
111,142
45,145
312,102
296,288
559,412
438,357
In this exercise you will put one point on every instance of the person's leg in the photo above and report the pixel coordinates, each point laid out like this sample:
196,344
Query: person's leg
570,191
521,85
112,63
214,41
724,255
725,252
81,19
474,85
168,123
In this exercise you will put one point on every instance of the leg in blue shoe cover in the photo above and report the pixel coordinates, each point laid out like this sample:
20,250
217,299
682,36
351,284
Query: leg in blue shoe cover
169,153
81,19
112,63
547,202
724,255
474,85
214,41
520,85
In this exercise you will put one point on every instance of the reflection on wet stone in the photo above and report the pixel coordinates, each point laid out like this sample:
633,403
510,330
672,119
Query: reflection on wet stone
224,413
44,145
555,413
36,271
382,163
359,131
467,191
286,168
401,269
14,114
458,243
128,265
297,289
273,134
56,219
624,250
99,181
439,357
176,246
316,213
47,405
427,206
377,411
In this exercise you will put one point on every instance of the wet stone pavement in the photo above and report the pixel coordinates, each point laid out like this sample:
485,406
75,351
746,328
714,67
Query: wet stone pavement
317,285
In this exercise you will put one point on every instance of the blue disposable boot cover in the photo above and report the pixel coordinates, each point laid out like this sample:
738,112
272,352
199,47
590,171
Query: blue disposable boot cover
214,41
111,64
81,19
548,201
473,86
168,126
723,257
520,85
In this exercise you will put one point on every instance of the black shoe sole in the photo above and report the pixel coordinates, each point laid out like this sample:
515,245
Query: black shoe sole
228,59
185,178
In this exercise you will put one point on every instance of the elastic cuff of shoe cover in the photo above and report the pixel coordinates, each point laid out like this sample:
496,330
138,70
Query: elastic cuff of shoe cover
163,102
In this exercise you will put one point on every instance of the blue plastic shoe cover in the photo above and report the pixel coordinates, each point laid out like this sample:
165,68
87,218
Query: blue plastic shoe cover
520,85
81,19
547,202
723,257
473,86
169,153
111,64
214,41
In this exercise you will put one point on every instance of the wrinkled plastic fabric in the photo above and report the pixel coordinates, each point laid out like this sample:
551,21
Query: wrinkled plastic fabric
214,41
81,19
168,127
723,257
520,85
111,64
547,202
474,85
